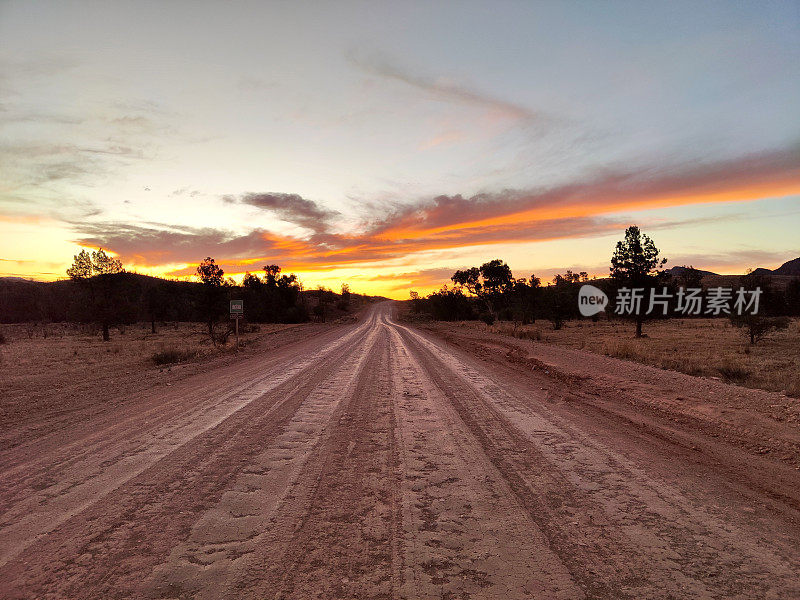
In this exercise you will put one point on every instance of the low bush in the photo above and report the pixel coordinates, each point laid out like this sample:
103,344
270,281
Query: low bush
683,364
528,334
172,355
731,371
2,338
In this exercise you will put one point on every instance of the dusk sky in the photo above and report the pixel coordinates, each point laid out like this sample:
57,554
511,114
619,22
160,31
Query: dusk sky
387,144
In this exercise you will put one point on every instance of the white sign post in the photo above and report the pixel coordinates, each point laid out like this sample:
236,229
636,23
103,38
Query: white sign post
237,310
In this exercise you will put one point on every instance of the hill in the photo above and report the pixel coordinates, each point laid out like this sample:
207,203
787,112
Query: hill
779,277
790,268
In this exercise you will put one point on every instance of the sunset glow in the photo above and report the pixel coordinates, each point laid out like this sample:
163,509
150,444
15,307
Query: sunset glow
387,146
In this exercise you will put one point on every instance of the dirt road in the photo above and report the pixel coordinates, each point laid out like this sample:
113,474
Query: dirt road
378,460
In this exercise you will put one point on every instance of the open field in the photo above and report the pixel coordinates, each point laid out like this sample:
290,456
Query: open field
702,347
37,359
370,459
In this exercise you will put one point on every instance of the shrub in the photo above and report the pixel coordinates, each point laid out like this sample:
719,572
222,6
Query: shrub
2,338
683,364
731,371
528,334
757,327
172,355
487,318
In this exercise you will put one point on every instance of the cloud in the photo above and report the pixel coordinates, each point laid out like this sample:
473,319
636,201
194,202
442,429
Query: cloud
422,279
593,206
749,177
445,90
292,208
187,191
153,246
160,244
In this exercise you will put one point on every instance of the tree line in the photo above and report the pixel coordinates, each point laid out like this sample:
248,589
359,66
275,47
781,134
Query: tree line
490,292
100,291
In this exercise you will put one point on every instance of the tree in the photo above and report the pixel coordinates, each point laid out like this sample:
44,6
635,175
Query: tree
211,276
757,327
272,272
524,296
417,303
97,271
560,298
470,279
86,265
490,283
324,297
344,301
251,282
635,264
449,305
156,301
210,273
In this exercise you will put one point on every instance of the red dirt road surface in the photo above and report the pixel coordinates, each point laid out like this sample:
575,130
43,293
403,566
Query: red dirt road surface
379,460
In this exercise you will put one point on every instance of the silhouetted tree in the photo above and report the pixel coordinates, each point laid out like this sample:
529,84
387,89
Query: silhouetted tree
98,272
450,305
417,303
524,297
324,298
271,272
793,296
490,282
560,298
635,264
344,300
156,300
211,276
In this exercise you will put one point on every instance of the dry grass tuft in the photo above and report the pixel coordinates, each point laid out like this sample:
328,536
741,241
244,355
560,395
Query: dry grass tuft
173,355
522,332
619,349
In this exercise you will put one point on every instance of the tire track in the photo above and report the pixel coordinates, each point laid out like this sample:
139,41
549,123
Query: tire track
466,534
219,548
335,536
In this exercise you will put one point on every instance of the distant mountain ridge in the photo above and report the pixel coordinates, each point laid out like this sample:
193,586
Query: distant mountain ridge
790,268
679,271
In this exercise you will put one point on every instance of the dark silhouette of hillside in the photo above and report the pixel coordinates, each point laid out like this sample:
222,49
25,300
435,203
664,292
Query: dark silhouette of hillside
142,298
790,268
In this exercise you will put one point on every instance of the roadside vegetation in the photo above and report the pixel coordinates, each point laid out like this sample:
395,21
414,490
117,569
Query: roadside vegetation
701,347
759,350
100,295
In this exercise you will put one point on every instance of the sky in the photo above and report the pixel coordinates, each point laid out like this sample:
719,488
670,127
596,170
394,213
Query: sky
388,144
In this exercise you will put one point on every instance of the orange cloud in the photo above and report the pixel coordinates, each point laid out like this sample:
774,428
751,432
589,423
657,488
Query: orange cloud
579,209
753,177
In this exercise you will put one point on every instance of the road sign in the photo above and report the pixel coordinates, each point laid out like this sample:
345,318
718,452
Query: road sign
237,311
